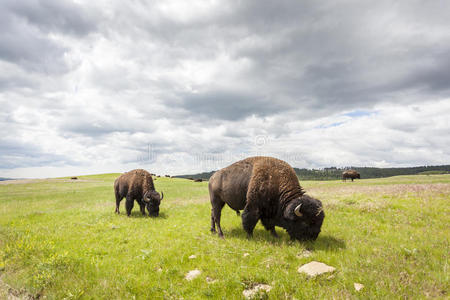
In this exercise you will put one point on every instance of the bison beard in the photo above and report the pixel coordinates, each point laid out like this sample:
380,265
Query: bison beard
267,189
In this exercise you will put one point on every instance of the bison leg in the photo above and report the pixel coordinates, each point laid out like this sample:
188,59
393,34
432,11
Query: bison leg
142,207
129,205
118,199
269,225
216,212
249,219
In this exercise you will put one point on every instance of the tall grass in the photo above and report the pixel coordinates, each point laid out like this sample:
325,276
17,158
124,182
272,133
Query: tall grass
61,239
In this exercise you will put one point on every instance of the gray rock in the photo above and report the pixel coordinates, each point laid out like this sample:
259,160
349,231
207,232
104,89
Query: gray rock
315,268
256,291
191,275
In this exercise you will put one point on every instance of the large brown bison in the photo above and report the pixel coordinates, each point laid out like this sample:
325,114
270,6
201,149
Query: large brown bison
267,189
352,174
137,185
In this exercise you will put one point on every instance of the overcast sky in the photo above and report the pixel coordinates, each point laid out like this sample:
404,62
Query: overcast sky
178,87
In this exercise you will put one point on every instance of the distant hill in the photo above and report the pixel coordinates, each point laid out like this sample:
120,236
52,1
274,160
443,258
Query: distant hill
368,172
334,173
3,178
204,175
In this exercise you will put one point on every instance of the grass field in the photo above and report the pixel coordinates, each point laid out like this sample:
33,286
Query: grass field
61,239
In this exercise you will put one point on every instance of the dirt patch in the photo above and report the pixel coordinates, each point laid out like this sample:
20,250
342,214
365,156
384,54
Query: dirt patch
375,197
7,292
394,189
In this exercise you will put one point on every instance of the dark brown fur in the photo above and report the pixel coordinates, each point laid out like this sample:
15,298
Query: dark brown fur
352,174
267,189
137,185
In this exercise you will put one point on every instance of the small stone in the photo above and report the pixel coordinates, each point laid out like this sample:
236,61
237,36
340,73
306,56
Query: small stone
246,254
115,227
209,280
256,291
315,268
191,275
192,256
305,253
358,286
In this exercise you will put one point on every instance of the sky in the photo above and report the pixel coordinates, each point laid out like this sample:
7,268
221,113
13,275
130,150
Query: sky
180,87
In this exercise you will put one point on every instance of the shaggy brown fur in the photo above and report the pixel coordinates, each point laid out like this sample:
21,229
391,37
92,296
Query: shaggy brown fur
137,185
267,189
352,174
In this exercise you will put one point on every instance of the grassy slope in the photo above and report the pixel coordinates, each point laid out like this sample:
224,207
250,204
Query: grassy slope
62,239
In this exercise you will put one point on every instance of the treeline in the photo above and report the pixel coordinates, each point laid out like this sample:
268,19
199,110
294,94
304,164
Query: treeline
204,176
334,173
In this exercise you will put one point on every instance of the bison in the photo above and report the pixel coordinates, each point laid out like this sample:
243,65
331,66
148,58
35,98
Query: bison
267,189
352,174
198,180
137,185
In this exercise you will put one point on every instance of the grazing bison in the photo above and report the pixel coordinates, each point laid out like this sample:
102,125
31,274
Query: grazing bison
137,185
352,174
267,189
198,180
74,178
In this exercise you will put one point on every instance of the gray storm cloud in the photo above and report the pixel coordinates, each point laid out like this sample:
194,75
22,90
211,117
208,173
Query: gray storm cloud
91,86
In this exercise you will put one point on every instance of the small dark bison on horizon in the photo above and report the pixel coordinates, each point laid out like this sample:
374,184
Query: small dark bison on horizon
74,178
137,185
267,189
198,180
352,174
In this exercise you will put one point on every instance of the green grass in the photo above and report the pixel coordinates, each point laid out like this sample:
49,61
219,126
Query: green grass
61,239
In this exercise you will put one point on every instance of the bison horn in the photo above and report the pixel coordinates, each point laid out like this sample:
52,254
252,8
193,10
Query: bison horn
162,195
145,198
297,210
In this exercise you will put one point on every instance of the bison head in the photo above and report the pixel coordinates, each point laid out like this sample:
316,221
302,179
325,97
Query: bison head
152,201
303,218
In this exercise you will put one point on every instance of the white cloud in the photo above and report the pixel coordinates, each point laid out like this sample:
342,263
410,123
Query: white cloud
180,87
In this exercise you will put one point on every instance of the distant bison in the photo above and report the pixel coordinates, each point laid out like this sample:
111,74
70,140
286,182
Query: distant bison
352,174
267,189
137,185
74,178
198,180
